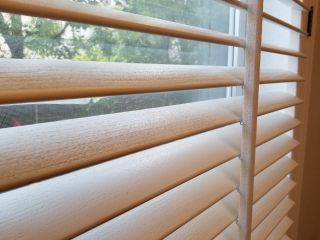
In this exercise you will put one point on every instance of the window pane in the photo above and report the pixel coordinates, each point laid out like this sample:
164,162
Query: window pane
31,113
210,14
31,37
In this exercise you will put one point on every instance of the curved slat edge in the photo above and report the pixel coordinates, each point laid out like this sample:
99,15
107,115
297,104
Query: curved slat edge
86,142
86,189
25,80
283,51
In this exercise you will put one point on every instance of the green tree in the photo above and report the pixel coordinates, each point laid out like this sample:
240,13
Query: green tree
26,37
56,39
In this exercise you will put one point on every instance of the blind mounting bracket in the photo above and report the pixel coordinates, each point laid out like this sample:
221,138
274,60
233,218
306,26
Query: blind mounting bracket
309,24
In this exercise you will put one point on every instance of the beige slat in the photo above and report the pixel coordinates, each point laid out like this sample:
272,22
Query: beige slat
284,24
243,5
281,229
230,233
196,223
301,4
285,237
274,173
162,215
62,146
82,199
236,3
24,80
270,200
211,222
280,50
280,147
102,16
278,76
263,230
261,208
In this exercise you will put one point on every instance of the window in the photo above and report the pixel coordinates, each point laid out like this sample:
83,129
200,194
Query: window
30,37
152,119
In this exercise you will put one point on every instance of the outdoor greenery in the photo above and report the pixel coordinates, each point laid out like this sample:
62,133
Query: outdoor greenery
26,37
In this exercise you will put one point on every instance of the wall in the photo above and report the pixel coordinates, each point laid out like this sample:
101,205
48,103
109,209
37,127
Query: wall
309,224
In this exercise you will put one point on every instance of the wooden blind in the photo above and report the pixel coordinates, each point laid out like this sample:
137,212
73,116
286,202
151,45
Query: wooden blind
217,169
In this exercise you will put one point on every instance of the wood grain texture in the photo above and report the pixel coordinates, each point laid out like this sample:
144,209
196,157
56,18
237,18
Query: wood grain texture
34,152
272,220
215,219
269,201
301,4
280,147
25,80
243,5
284,24
285,237
249,115
211,222
308,68
280,50
88,197
107,17
230,233
281,229
236,3
275,173
160,216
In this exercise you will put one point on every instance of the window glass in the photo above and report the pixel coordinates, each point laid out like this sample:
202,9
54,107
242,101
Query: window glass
31,37
209,14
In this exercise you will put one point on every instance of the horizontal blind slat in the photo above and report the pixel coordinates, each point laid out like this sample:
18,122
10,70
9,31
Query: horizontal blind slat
211,222
29,80
285,237
275,173
281,229
270,200
230,233
162,215
301,4
280,50
243,5
272,220
146,220
261,208
107,17
116,186
236,3
283,23
62,146
279,147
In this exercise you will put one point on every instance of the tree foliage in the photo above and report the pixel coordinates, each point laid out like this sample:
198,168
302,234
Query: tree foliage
26,37
36,37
